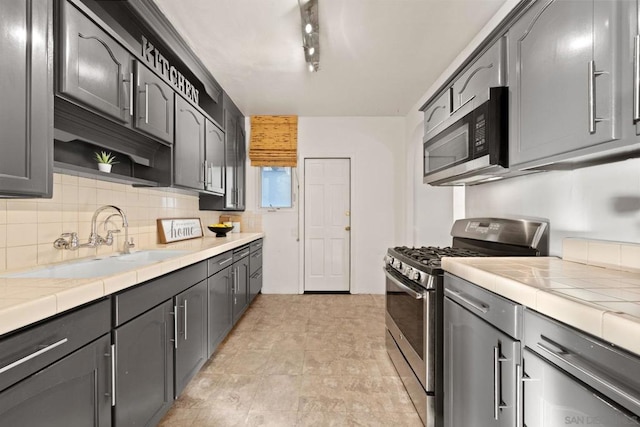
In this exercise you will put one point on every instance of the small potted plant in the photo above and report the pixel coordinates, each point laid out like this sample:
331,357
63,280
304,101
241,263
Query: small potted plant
105,161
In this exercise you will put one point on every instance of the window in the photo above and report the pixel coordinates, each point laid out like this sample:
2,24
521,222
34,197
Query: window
276,187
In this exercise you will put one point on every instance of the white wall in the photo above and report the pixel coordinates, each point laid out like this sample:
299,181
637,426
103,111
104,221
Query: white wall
375,146
599,202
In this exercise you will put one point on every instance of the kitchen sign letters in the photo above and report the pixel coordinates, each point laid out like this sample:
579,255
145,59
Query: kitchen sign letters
154,58
175,229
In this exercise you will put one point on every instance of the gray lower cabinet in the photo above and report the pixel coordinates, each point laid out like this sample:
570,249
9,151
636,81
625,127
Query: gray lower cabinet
470,378
58,372
191,307
73,392
144,367
220,307
154,104
554,398
94,69
255,269
564,77
26,109
240,280
188,151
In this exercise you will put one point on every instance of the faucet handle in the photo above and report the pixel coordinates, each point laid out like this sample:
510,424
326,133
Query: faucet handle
109,239
62,243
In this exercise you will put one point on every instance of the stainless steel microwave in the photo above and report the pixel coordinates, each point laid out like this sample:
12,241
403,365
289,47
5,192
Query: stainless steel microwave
473,149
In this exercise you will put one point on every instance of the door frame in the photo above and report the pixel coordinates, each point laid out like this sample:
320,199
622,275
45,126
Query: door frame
301,219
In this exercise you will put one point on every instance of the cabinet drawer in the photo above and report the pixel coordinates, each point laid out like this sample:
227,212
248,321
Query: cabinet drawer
255,261
485,72
219,262
145,296
240,253
30,350
254,246
437,112
603,366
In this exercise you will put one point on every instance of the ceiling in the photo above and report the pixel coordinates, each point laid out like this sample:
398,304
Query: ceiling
377,57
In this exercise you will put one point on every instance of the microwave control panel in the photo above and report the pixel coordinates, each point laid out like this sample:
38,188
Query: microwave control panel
480,146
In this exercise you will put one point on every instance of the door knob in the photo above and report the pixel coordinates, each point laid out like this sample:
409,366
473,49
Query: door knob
348,228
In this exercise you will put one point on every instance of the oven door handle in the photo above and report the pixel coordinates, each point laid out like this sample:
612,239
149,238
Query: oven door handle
405,288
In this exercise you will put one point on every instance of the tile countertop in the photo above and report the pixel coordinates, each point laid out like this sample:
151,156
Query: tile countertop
25,301
600,301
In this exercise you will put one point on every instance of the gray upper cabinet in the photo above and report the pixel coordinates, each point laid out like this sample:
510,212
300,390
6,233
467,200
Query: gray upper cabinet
95,70
154,104
26,109
189,165
235,155
437,112
564,77
214,158
472,86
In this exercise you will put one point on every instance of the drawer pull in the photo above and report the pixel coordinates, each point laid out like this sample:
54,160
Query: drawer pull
32,355
459,295
226,261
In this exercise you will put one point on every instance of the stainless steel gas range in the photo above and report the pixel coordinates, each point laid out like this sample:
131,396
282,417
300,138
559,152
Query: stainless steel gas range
414,299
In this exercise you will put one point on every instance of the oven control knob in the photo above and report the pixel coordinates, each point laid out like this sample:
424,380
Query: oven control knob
408,271
397,264
416,275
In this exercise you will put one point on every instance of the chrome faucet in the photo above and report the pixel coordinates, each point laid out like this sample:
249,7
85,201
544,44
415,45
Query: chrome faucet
95,239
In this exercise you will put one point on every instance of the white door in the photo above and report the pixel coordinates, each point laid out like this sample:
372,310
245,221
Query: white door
327,224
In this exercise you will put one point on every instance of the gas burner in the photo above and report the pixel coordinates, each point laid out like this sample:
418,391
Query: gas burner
432,255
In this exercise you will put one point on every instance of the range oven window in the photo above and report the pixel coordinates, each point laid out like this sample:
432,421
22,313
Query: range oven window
408,314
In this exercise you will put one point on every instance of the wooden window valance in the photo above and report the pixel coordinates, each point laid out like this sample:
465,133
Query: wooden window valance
274,141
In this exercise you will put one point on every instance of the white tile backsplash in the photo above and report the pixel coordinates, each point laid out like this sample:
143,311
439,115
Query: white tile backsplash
602,253
29,227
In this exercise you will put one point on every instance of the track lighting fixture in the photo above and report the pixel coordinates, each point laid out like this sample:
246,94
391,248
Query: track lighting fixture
310,34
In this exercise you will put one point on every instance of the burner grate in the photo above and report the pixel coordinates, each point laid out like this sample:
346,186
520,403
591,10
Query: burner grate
431,255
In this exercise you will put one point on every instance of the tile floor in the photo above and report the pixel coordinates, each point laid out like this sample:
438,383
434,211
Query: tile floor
300,360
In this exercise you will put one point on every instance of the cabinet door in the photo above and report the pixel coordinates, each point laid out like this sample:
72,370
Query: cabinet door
231,160
144,367
73,392
564,78
472,351
437,112
255,284
94,68
214,158
553,398
154,104
472,86
241,158
220,300
191,351
26,109
240,288
188,150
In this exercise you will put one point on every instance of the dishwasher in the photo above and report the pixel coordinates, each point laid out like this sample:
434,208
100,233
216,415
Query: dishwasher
571,378
482,356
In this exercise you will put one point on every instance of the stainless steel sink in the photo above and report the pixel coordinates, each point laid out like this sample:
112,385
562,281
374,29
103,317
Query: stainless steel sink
97,267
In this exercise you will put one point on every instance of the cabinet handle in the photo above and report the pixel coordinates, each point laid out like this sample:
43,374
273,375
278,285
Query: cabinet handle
131,90
497,386
519,403
593,120
113,375
146,103
636,78
32,355
562,354
459,295
226,261
185,319
175,326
